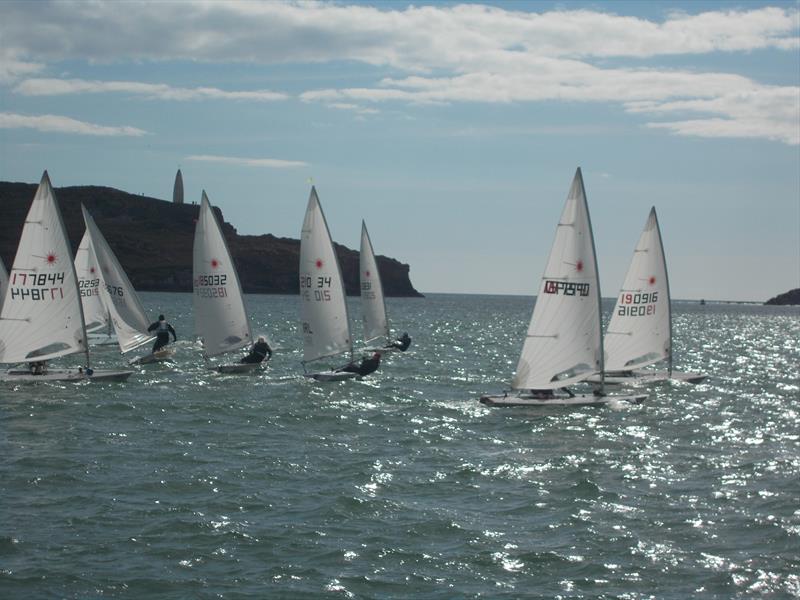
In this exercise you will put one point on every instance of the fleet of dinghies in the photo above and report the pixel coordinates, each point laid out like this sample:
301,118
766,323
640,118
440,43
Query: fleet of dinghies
50,305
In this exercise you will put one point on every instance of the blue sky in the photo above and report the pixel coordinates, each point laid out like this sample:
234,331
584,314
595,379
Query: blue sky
453,129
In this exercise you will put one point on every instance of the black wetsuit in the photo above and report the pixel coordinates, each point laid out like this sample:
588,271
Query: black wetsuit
367,366
162,329
402,344
258,353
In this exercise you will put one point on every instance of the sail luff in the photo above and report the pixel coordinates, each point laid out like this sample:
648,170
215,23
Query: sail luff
220,313
666,283
600,352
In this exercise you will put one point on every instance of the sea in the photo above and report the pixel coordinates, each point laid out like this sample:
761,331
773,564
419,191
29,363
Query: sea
183,483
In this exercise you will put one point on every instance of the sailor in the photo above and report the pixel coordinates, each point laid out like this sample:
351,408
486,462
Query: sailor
368,365
162,330
38,367
258,352
402,344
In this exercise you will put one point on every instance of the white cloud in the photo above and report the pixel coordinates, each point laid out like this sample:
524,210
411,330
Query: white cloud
270,163
55,87
439,54
61,124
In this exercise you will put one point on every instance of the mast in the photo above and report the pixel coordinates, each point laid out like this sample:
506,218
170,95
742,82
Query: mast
597,285
669,295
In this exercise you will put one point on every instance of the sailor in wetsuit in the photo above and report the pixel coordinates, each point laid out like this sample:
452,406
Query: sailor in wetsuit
402,344
259,351
162,330
367,366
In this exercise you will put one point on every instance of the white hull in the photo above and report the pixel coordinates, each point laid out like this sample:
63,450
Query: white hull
240,368
159,356
528,399
73,375
101,339
647,377
330,375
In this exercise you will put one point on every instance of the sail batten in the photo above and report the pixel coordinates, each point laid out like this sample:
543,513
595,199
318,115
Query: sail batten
220,316
563,344
323,307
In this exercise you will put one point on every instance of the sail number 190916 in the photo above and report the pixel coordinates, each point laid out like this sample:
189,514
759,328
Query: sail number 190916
639,304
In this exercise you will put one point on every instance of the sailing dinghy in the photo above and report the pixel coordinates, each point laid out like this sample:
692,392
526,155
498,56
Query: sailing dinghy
220,317
564,344
323,307
120,298
373,303
42,316
639,333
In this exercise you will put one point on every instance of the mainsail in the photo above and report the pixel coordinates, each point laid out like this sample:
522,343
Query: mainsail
220,318
94,310
323,309
564,342
119,296
42,316
376,324
639,333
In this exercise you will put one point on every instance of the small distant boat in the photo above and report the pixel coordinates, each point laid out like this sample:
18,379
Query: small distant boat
120,298
323,307
220,316
639,333
564,344
42,315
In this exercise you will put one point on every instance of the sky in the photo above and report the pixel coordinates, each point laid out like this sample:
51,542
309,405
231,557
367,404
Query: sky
453,129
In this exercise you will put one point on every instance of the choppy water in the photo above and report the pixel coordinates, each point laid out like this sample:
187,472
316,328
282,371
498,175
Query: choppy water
185,484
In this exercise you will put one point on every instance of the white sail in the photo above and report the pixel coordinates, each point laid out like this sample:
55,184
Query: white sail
42,316
94,311
323,310
564,342
220,318
376,324
3,282
639,331
117,292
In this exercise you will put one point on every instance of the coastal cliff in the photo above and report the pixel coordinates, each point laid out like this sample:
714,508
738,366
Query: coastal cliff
153,240
792,297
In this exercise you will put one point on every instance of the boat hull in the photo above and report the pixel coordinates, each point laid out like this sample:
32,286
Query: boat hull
330,375
646,377
159,356
527,399
239,368
71,375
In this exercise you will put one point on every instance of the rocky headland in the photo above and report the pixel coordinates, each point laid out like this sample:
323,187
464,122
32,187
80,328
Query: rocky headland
153,240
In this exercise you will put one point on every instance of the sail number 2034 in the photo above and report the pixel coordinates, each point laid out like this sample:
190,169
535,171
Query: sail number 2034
639,304
316,288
